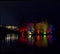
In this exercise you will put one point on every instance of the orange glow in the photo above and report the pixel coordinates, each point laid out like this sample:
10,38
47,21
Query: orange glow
38,42
38,31
38,37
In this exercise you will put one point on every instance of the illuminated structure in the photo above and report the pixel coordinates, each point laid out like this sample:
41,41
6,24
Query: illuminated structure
12,27
41,27
33,33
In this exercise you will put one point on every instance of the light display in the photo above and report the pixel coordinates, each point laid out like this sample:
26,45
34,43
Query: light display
30,39
34,33
41,40
30,28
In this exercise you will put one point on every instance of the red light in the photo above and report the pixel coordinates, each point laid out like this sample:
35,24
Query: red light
48,30
22,29
23,40
48,37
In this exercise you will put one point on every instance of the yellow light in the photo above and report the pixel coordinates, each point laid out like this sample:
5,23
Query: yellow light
38,25
29,32
7,38
38,31
29,36
9,27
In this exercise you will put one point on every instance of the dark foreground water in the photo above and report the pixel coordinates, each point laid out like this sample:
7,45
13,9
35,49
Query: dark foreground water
19,47
9,46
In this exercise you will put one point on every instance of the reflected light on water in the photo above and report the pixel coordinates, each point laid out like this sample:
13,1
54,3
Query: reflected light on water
39,40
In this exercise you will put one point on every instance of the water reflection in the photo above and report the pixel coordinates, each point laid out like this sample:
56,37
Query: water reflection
45,40
38,40
30,39
50,39
10,39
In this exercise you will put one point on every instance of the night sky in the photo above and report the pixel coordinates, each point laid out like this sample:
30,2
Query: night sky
13,13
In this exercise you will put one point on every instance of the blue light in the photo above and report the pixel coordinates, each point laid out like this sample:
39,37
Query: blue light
52,27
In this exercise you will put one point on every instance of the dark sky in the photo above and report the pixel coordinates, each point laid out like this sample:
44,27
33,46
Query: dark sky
12,13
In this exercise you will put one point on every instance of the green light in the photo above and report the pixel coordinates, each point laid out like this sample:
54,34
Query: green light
45,40
44,32
44,36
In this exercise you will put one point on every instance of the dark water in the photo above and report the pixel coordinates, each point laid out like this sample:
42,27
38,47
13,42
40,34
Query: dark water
19,47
